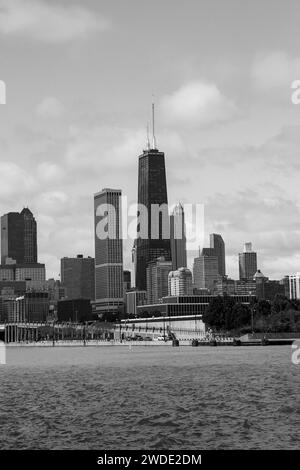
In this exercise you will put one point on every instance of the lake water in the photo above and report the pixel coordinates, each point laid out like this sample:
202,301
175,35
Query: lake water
149,398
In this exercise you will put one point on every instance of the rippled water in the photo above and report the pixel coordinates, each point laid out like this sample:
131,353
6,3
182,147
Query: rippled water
150,398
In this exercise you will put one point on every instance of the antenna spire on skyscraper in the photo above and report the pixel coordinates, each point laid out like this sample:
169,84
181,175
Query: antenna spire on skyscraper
153,125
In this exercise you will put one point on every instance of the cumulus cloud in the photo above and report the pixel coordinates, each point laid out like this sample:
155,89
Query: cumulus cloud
264,216
275,71
50,107
197,104
48,21
13,177
103,147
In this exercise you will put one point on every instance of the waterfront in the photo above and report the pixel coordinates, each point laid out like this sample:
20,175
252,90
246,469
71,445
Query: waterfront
149,398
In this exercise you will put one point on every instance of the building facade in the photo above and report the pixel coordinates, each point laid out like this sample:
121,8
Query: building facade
135,298
108,252
217,248
157,279
153,230
180,282
127,280
178,238
294,285
205,272
78,277
247,262
18,238
34,275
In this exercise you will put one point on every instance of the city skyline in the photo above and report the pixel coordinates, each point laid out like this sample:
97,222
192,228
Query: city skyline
224,108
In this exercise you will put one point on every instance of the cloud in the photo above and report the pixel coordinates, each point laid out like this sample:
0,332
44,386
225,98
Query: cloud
48,21
13,177
267,218
50,107
275,71
197,104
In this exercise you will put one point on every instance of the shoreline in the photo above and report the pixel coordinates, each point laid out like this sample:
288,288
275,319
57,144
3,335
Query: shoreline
188,343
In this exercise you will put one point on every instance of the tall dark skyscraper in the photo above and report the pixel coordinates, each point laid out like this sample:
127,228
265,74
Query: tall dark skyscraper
152,190
217,248
78,277
247,262
18,238
30,236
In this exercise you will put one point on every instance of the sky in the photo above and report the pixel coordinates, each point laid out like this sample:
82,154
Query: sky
80,78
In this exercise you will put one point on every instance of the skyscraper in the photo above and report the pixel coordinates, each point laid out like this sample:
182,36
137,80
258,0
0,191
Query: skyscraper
78,277
178,238
217,248
18,238
153,231
30,236
108,252
157,279
180,282
206,272
247,262
127,280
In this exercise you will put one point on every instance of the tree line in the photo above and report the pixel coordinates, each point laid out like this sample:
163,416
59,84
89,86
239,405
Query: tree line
281,315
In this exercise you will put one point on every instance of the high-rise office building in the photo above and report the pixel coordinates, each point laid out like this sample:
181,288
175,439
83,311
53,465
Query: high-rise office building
33,275
153,231
178,238
78,277
30,236
157,279
206,272
135,298
18,238
127,280
247,262
108,252
180,282
294,286
217,248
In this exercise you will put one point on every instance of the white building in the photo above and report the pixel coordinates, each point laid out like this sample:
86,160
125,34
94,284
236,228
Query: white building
180,282
294,286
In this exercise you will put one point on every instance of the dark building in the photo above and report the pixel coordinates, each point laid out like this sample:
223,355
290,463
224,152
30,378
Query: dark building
18,238
153,231
247,262
75,310
178,238
17,287
266,289
217,248
109,293
78,277
31,307
127,280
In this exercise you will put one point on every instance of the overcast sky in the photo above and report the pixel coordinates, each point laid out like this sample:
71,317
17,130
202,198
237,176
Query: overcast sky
80,76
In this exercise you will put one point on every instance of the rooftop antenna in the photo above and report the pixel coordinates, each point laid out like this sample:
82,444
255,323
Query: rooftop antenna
153,125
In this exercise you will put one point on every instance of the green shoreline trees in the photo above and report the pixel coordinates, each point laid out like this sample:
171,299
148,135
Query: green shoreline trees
278,316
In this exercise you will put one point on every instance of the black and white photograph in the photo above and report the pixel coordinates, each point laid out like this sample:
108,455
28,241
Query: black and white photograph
150,233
